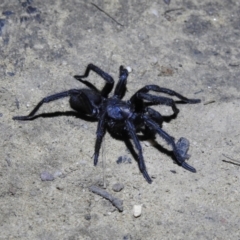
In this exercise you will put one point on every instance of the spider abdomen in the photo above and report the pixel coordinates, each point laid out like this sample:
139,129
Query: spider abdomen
85,101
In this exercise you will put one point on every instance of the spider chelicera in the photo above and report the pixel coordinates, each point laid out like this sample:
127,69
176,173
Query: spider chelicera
122,118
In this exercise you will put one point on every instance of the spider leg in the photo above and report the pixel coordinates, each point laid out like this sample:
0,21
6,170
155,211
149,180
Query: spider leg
110,82
170,92
132,133
154,100
121,85
155,115
170,140
46,100
88,84
101,130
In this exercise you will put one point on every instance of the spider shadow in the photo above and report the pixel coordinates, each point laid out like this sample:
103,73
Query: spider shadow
145,135
151,137
168,118
66,113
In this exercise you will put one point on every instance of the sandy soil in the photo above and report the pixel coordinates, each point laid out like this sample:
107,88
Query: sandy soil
189,46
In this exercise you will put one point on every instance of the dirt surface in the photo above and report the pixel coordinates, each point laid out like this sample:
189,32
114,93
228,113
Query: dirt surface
189,46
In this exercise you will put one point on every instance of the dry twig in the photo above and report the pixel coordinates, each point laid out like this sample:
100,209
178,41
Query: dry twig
107,15
118,203
231,160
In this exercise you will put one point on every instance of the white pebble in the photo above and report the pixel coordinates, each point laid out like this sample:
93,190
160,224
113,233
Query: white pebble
137,210
64,63
154,12
129,69
38,46
153,60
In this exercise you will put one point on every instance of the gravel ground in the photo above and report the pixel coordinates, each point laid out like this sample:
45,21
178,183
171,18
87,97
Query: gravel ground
46,166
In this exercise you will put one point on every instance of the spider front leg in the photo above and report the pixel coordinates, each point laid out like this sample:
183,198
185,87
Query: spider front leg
155,115
132,133
170,140
46,100
154,100
108,86
121,85
101,129
170,92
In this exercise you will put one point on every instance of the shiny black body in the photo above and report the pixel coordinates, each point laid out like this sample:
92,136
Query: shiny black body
118,116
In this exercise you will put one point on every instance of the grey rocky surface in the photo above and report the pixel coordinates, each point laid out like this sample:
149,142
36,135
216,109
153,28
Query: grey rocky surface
189,46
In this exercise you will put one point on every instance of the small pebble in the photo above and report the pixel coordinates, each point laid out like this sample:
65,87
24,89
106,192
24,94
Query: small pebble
120,160
24,19
124,159
127,237
31,10
10,74
137,210
7,13
142,36
59,187
167,1
87,217
46,176
38,46
24,4
154,12
117,187
129,69
2,23
153,61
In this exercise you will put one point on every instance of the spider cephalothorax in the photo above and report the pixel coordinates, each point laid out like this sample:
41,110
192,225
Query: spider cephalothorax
122,118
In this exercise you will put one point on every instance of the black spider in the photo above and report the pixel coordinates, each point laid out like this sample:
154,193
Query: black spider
118,116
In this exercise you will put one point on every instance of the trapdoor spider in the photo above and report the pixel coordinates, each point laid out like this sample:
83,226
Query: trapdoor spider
118,116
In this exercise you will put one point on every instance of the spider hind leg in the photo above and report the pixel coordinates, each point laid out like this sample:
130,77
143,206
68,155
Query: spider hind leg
170,140
48,99
132,133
